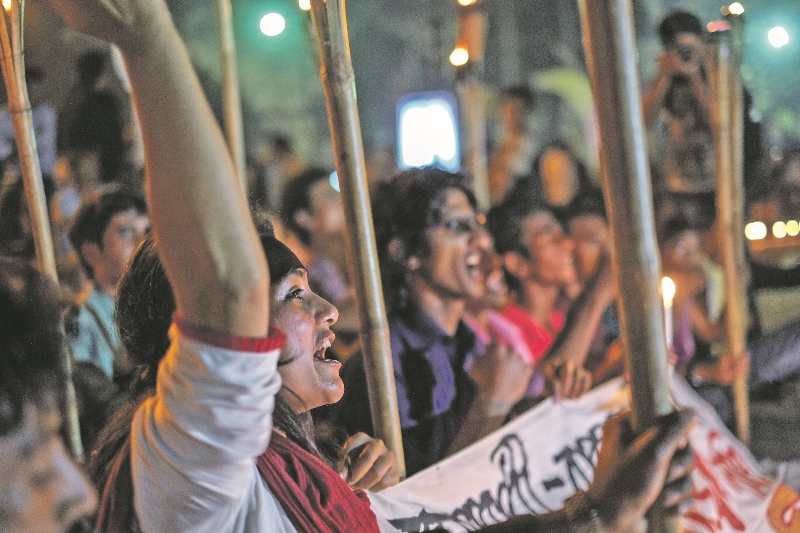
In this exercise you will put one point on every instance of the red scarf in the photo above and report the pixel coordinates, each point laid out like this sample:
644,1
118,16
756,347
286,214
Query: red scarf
313,496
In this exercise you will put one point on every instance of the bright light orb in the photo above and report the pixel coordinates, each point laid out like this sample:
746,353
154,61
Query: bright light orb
779,229
778,37
6,4
305,5
736,8
466,2
272,24
459,57
792,228
755,231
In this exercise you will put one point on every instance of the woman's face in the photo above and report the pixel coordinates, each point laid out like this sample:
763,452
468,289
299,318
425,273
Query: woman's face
306,319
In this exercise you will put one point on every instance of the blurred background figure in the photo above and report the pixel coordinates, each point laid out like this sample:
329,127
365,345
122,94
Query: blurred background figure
105,232
677,112
516,150
92,119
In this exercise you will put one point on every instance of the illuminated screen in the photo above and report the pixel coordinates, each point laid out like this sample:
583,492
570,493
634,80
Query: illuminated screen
427,131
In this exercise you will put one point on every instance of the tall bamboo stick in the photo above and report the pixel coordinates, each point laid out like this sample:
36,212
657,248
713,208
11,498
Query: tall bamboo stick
231,101
729,145
12,64
610,45
472,96
338,81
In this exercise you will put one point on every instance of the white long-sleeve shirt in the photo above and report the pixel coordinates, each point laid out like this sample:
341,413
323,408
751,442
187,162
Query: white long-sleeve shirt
194,444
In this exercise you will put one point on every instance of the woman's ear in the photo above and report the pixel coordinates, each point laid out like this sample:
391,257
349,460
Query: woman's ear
515,264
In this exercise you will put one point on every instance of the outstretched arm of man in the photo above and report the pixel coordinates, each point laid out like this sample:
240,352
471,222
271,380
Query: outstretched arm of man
199,215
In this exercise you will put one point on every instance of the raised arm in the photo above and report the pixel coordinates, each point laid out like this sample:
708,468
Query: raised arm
199,216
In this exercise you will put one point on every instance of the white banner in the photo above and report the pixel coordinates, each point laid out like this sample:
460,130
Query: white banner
537,461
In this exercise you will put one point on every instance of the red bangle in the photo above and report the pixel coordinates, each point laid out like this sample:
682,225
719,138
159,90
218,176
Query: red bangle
273,341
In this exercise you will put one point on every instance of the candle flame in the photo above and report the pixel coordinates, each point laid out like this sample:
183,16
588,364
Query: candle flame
667,290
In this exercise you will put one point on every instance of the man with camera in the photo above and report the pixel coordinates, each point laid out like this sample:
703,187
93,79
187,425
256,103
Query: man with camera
677,111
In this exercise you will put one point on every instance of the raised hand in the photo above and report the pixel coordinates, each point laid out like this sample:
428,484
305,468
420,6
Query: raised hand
122,22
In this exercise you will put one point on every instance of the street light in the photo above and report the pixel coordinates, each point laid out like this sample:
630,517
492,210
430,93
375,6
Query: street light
459,56
272,24
736,8
778,37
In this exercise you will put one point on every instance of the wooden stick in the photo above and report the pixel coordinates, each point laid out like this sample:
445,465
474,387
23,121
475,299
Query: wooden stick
472,97
12,64
338,82
231,101
610,45
729,145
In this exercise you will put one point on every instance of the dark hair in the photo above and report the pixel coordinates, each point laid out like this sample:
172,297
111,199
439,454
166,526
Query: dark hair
674,227
588,203
297,197
30,340
403,209
94,215
504,222
678,22
522,93
531,187
91,65
145,306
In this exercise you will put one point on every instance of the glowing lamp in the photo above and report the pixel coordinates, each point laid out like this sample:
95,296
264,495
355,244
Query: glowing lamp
755,231
736,8
272,24
778,37
428,131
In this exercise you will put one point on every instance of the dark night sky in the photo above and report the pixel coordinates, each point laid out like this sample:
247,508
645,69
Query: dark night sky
402,46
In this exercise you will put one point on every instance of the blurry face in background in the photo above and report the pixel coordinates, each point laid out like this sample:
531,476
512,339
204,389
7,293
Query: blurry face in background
42,489
327,210
551,252
514,114
591,237
559,177
683,252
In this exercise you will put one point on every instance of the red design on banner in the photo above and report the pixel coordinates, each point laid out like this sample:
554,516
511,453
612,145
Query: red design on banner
734,468
784,510
709,490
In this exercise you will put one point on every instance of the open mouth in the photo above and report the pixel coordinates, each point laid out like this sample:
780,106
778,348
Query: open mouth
473,264
319,355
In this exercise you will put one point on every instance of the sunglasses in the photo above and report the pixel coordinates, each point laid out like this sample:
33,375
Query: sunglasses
460,225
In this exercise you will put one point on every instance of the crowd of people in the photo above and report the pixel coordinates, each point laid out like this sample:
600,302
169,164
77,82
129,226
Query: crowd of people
220,382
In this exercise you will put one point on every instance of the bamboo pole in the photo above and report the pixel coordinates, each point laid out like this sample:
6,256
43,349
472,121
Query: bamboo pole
610,45
12,64
231,101
338,81
472,95
729,145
